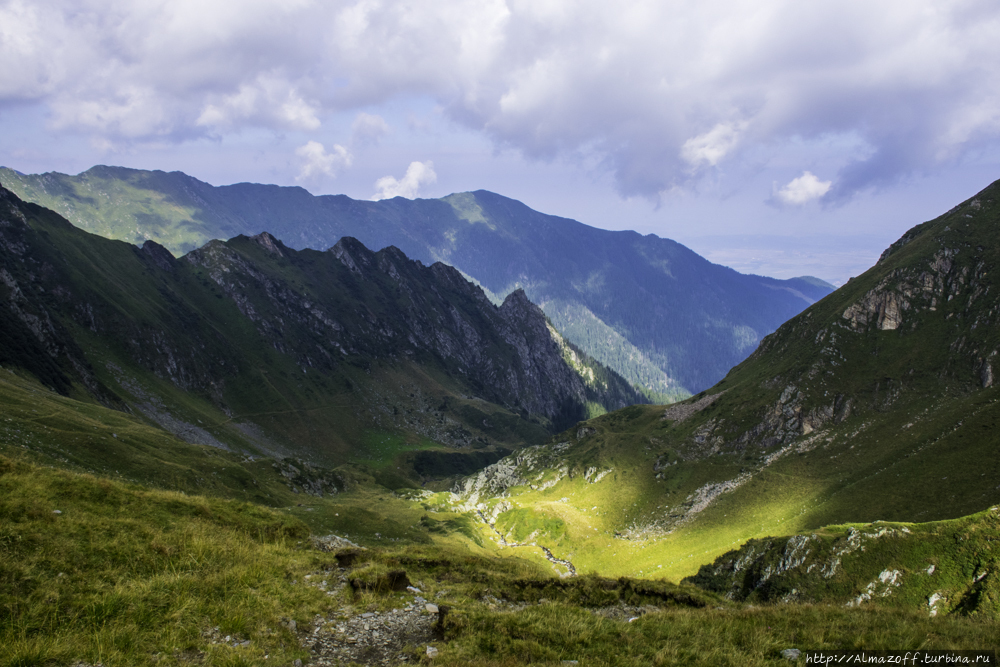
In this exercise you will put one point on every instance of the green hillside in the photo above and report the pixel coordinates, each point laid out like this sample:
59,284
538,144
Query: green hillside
253,455
649,308
101,572
877,403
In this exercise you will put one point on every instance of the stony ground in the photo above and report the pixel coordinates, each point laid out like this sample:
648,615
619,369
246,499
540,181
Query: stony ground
396,636
372,638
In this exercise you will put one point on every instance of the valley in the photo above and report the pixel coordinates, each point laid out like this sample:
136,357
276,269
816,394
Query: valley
251,346
877,403
260,443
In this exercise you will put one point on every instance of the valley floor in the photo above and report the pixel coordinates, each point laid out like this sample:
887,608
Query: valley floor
106,572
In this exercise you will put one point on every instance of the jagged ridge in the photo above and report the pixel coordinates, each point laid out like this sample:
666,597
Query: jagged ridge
243,326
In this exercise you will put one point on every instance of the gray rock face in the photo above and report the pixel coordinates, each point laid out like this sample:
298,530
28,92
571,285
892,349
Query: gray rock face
902,290
678,412
494,480
303,477
767,569
986,371
409,311
881,307
378,638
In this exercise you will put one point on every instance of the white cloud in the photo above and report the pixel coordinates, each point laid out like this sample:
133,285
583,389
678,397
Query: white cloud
417,174
709,148
651,89
133,111
267,100
368,129
27,73
317,162
805,188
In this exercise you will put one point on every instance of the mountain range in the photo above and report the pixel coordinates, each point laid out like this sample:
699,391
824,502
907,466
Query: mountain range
663,317
257,347
252,346
471,480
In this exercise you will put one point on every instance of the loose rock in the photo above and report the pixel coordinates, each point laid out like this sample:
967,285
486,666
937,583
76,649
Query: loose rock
371,638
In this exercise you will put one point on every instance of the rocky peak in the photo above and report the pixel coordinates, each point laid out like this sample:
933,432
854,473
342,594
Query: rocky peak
517,300
518,310
420,312
269,243
158,255
352,253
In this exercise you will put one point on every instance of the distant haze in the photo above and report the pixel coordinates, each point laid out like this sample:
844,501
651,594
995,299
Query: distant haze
779,137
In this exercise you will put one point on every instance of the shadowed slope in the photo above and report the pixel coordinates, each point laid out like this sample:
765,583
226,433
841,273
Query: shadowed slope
649,308
252,345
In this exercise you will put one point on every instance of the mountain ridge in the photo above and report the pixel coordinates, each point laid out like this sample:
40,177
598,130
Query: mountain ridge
347,341
648,307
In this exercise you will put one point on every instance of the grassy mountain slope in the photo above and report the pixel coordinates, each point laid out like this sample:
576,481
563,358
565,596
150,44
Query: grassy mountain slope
100,572
252,346
877,403
647,307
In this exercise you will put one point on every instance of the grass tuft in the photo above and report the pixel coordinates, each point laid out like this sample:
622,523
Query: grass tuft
101,571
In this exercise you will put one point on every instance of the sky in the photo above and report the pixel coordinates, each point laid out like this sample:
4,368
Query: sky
779,137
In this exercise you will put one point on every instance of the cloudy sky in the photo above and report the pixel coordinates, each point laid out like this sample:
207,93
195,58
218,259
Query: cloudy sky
779,137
